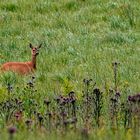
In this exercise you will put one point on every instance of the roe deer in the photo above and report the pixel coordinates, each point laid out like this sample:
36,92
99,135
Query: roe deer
23,68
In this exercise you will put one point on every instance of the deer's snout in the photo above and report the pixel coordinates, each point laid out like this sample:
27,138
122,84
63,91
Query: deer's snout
37,52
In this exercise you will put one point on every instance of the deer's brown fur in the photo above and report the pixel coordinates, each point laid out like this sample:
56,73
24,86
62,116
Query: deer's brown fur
23,68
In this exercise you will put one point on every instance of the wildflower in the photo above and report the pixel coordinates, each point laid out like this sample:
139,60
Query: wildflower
73,120
58,98
28,122
63,114
115,63
117,94
66,122
18,102
87,81
12,130
18,115
9,87
33,77
30,84
40,119
85,133
47,102
113,100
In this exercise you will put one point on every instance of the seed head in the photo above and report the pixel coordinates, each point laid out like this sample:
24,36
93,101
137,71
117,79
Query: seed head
47,102
28,122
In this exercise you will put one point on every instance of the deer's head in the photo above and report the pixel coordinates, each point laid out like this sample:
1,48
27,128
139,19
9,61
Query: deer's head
35,50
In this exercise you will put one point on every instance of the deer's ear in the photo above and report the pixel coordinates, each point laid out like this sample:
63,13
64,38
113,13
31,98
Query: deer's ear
40,46
30,45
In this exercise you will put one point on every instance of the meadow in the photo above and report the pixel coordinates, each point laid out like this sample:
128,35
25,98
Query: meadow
86,85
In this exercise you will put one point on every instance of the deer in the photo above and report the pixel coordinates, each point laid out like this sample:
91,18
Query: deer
23,68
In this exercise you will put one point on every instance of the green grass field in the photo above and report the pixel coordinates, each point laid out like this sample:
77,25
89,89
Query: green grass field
80,39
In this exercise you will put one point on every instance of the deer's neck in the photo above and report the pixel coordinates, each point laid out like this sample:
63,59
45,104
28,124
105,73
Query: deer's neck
34,62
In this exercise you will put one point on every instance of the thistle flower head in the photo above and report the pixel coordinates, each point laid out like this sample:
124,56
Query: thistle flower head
12,130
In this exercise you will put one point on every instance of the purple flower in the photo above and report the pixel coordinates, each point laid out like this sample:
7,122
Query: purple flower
117,94
12,130
134,98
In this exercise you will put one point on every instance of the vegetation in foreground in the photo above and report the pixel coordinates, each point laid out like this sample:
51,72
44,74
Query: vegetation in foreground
81,39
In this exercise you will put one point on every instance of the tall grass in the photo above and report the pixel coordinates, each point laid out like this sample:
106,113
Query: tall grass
81,39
